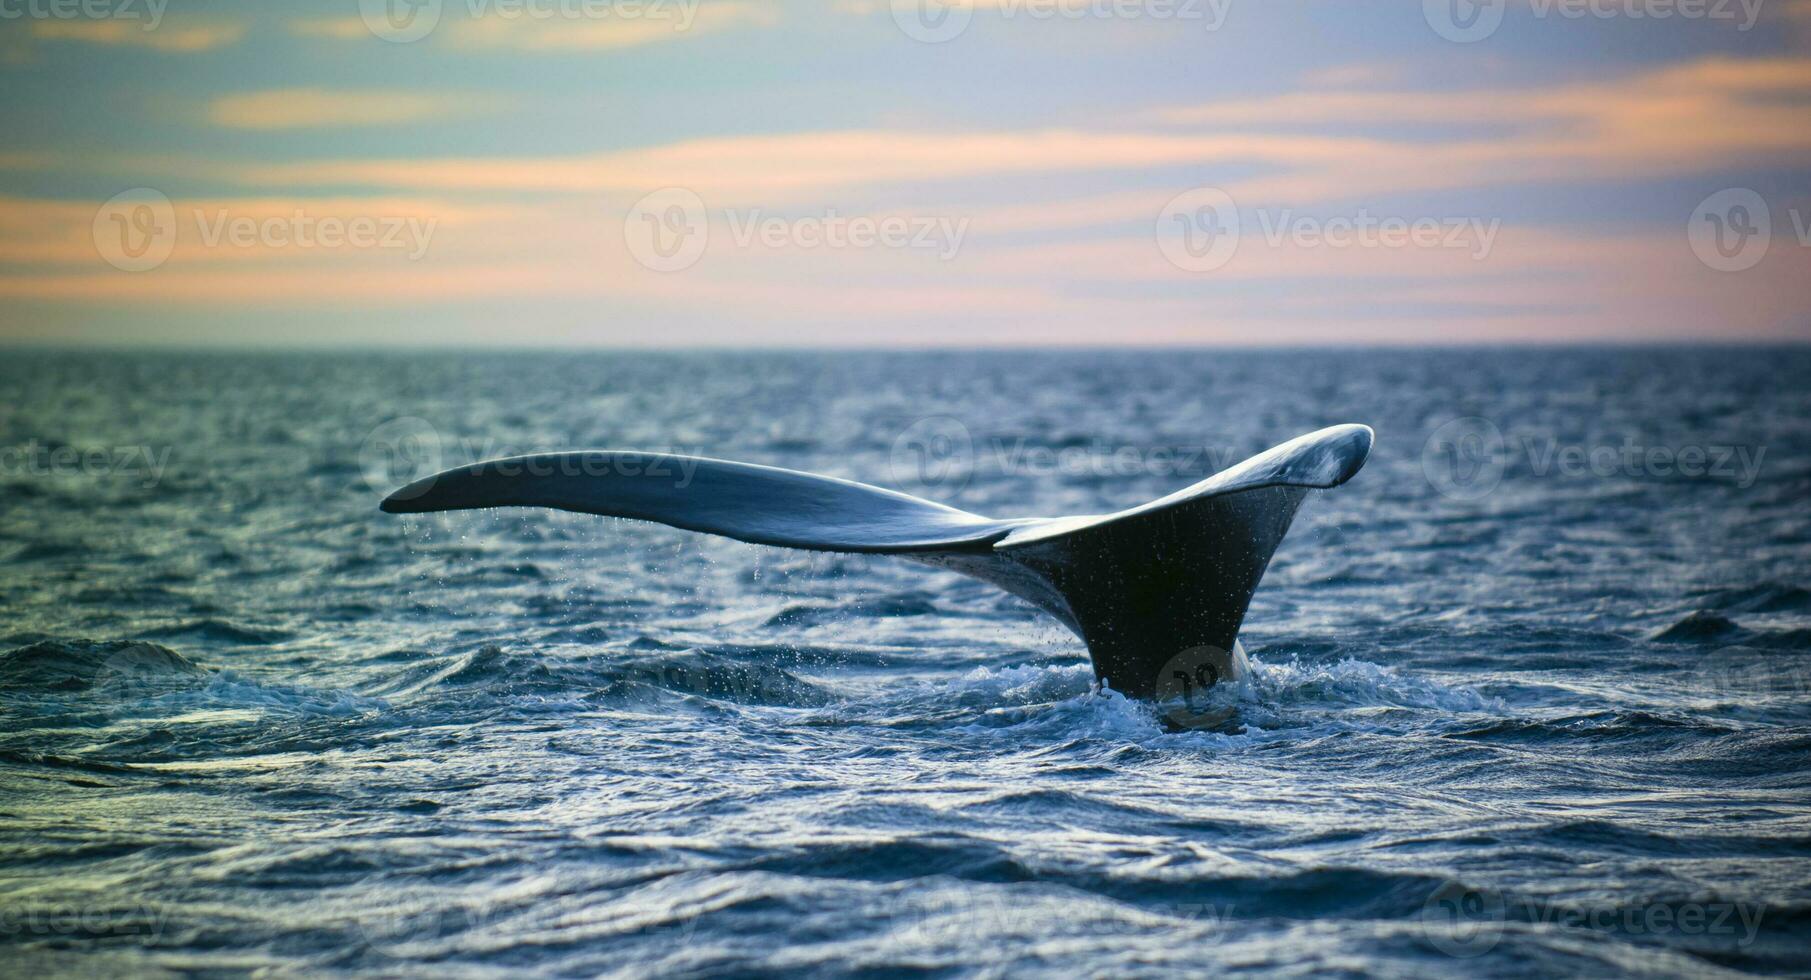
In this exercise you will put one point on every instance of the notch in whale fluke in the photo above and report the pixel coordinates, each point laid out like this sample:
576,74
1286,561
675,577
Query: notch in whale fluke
1139,586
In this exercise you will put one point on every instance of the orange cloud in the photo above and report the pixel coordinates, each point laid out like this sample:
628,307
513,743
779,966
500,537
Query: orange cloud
168,38
1037,267
1688,119
660,20
314,108
336,28
521,29
740,167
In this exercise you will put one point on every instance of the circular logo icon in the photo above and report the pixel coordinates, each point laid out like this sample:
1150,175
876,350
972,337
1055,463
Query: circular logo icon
1461,921
933,21
1463,459
135,231
1185,686
933,454
400,920
1717,678
1730,230
667,230
399,452
1198,230
1331,535
1464,21
138,672
400,21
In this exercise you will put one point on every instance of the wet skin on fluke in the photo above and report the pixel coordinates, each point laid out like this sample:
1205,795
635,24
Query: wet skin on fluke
1144,588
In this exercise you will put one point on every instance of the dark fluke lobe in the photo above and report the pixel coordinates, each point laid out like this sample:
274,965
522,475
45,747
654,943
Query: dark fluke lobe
1152,589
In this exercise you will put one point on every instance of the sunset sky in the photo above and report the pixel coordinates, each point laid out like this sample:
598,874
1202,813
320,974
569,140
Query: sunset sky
865,172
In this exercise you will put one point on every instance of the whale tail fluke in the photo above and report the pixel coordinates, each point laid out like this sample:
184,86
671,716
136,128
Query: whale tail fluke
1148,588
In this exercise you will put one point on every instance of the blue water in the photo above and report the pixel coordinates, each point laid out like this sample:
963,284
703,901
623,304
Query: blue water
1506,713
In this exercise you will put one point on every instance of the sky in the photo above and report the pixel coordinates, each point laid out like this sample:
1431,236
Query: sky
904,172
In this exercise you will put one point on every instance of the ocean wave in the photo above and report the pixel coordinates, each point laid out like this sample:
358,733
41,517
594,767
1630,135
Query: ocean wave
218,631
1269,701
1700,627
106,681
818,614
62,665
1766,597
499,675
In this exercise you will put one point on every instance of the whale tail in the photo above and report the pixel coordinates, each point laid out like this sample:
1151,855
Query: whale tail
1157,592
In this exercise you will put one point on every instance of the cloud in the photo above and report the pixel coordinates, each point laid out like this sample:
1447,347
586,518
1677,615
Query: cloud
1038,266
1696,90
1695,118
51,233
803,164
313,108
120,32
657,21
569,27
1684,119
1536,283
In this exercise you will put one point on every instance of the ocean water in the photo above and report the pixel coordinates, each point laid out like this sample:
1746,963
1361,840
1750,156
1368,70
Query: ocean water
1532,693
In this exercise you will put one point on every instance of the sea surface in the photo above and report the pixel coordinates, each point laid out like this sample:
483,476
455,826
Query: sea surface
1531,694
